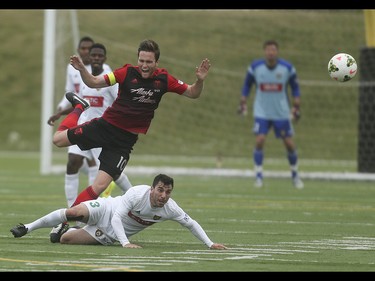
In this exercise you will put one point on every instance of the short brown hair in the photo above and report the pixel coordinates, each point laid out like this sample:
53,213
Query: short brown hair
149,45
270,42
167,180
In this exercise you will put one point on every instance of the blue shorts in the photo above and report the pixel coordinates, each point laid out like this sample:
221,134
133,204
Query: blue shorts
282,128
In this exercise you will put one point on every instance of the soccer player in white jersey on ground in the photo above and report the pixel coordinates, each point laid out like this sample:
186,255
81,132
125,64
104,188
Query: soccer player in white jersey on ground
116,219
272,76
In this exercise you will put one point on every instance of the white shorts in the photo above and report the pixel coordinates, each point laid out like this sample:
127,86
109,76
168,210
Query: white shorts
99,223
89,154
98,234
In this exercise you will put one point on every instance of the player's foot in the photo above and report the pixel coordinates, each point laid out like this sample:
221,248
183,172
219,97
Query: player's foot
19,230
297,182
108,191
74,100
58,231
258,182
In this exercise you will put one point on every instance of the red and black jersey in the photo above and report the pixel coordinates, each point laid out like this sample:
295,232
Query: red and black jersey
138,98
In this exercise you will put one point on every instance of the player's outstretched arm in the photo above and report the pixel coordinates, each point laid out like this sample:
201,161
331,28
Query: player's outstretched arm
194,91
89,79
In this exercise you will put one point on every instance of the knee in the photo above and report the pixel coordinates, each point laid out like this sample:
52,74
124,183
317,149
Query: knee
74,163
65,239
60,139
56,140
100,187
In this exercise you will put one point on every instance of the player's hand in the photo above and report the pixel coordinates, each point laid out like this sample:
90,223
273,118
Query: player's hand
53,118
132,246
296,113
76,62
216,246
202,70
242,109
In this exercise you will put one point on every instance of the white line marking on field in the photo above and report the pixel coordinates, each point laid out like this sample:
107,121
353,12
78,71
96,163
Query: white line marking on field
286,251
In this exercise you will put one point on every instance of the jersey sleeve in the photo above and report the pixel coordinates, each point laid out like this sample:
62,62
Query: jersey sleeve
294,84
195,228
69,87
114,91
116,76
248,83
119,215
176,86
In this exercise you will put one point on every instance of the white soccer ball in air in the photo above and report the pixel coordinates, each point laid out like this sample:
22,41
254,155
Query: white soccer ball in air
342,67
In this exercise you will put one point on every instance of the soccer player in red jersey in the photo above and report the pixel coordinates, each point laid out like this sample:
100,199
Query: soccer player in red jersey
141,88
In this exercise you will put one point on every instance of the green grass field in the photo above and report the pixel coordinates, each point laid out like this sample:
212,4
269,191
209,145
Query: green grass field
327,226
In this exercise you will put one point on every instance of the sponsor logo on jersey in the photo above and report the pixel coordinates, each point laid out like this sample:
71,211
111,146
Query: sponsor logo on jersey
143,96
95,101
271,87
139,220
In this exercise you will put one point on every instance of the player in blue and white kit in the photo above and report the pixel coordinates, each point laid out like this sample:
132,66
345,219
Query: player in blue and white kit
115,219
271,109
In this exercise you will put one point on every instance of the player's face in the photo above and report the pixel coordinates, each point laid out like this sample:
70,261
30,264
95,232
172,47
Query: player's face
271,53
147,63
97,58
160,194
83,51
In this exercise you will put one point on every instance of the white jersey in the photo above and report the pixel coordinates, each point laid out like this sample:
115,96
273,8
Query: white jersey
99,99
117,218
73,82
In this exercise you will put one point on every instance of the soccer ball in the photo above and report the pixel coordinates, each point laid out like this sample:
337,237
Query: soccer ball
342,67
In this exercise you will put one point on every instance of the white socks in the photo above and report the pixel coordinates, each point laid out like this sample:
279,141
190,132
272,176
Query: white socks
50,220
123,182
71,188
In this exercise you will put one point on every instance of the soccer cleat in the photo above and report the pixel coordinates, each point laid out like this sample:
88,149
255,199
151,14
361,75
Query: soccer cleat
58,231
258,182
19,230
298,183
74,100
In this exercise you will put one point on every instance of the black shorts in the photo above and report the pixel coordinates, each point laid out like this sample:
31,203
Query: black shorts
116,143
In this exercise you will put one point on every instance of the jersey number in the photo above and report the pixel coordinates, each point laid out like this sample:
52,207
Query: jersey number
122,163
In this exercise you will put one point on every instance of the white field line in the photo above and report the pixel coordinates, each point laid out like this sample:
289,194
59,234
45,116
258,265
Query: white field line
173,171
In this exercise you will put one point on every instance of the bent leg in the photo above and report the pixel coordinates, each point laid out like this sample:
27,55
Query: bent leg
60,139
78,237
92,192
